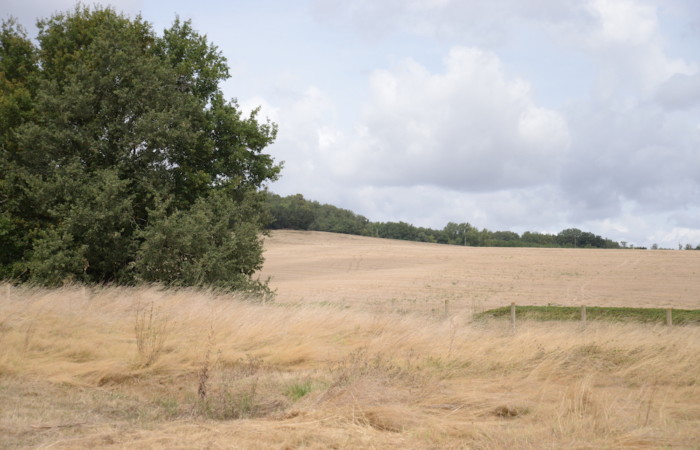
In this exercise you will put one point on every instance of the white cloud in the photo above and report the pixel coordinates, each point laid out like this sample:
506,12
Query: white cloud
680,91
469,140
627,46
471,127
624,22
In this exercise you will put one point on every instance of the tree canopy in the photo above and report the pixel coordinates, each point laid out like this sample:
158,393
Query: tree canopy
121,160
296,212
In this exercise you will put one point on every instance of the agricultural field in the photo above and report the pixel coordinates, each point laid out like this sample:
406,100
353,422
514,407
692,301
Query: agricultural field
367,273
356,351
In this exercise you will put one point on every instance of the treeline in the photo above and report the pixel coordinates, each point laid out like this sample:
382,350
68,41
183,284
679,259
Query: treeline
297,213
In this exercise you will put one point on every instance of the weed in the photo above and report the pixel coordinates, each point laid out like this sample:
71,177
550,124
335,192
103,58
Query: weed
203,375
234,395
298,390
649,403
151,331
169,406
453,333
29,331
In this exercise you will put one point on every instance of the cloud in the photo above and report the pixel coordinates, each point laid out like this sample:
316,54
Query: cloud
636,153
29,11
680,91
472,127
627,46
479,23
306,139
468,141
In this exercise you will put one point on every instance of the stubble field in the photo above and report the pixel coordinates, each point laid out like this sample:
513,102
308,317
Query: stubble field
356,352
308,267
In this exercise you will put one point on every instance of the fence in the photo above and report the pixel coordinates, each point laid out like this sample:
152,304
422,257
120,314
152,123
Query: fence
513,307
585,313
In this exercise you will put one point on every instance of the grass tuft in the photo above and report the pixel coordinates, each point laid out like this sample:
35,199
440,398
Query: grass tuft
296,391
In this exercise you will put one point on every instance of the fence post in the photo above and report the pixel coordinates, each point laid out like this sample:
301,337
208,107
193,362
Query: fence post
447,307
583,315
669,317
512,316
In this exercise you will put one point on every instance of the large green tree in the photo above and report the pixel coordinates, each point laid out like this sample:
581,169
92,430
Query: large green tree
119,151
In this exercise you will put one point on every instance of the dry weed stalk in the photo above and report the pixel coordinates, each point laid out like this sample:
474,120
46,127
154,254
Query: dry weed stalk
234,395
453,333
151,331
203,374
649,403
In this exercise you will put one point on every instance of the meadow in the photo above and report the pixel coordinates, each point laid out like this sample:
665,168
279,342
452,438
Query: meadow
356,351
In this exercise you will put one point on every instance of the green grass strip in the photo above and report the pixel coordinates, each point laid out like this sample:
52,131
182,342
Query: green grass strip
613,314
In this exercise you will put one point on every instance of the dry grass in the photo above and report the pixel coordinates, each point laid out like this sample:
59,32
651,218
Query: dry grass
72,376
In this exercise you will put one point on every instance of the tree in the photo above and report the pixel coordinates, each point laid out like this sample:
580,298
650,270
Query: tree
114,138
540,239
457,233
293,212
569,237
17,67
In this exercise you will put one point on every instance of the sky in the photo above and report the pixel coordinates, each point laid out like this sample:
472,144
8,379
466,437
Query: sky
520,115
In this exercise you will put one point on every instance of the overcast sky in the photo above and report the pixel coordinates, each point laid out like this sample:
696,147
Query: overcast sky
514,115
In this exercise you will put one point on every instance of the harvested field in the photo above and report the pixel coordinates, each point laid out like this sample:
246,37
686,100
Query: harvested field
330,365
314,267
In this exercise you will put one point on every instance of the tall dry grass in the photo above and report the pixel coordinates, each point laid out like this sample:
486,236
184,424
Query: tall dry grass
145,367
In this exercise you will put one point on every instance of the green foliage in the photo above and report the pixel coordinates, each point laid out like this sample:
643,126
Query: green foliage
458,234
18,65
298,390
534,239
573,237
216,243
118,152
297,213
293,212
613,314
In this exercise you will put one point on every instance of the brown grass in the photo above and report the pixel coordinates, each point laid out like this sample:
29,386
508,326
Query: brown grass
72,375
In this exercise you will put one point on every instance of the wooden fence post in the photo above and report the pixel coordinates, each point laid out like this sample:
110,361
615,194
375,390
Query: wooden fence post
447,307
512,316
583,315
669,317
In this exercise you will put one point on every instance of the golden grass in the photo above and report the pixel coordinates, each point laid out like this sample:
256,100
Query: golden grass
72,376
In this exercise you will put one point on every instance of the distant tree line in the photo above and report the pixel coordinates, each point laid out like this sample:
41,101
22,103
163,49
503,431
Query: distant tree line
680,247
297,213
